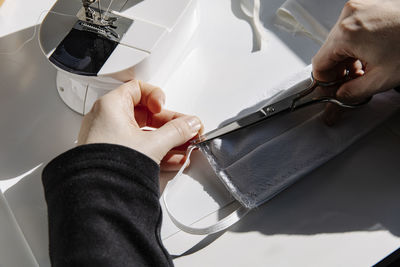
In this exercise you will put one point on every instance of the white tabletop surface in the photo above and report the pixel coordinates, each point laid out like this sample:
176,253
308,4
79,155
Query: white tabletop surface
342,214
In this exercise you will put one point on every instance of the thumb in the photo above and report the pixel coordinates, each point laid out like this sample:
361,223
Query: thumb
359,88
177,132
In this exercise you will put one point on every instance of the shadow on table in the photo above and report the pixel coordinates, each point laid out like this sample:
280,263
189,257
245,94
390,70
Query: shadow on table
301,45
35,123
35,127
356,191
350,193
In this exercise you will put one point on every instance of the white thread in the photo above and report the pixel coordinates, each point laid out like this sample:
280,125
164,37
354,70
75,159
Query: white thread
108,8
99,6
30,39
221,225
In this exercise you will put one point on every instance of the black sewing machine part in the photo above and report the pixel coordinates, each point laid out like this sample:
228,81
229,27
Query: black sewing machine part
83,52
91,41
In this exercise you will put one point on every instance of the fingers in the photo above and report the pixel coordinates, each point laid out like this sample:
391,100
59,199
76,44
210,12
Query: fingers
143,93
337,49
159,119
177,132
336,67
172,162
356,69
152,97
360,88
146,118
325,62
357,90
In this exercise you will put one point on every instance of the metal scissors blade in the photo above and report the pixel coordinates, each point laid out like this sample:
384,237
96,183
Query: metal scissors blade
253,118
298,100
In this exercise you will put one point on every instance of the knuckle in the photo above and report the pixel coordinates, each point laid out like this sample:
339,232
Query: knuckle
96,106
316,61
181,129
125,90
103,104
352,5
178,130
103,101
346,93
351,25
129,88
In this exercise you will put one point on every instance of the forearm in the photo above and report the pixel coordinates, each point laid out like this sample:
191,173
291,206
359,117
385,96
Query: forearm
103,208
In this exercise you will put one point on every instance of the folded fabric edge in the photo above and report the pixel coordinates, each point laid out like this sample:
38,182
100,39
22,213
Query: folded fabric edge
224,177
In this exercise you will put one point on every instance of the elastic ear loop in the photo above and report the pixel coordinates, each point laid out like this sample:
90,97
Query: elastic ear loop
221,225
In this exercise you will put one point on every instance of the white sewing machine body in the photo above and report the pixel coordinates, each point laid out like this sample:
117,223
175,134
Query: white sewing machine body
146,40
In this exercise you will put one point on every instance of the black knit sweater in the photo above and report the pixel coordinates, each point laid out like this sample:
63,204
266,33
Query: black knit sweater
103,208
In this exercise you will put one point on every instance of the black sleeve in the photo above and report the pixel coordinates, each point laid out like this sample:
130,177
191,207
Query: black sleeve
103,208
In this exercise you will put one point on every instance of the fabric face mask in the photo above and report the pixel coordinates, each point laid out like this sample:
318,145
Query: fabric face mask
258,162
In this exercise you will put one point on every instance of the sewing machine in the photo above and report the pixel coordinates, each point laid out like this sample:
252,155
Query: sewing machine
98,44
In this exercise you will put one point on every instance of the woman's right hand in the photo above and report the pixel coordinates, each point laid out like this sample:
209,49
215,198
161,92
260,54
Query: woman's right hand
365,41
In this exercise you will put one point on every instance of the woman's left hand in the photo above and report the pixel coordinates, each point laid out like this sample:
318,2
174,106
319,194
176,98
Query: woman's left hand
117,118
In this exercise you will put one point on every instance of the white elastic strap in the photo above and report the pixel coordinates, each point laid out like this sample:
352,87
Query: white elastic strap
221,225
262,33
293,17
251,8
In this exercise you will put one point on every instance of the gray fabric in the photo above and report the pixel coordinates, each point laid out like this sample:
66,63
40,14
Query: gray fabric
258,162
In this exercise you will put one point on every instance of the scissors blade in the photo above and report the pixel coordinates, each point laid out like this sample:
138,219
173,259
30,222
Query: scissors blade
253,118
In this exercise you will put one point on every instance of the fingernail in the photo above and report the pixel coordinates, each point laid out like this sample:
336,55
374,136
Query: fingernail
194,123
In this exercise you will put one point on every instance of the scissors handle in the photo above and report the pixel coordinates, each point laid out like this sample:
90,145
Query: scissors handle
306,97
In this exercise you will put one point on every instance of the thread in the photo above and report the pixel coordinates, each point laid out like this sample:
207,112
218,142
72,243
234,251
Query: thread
30,39
108,8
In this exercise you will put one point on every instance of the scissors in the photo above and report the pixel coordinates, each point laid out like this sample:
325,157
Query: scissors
305,97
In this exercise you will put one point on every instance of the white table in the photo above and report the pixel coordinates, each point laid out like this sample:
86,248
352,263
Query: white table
342,214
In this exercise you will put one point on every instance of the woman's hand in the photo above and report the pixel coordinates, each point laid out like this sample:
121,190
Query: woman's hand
365,41
117,118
